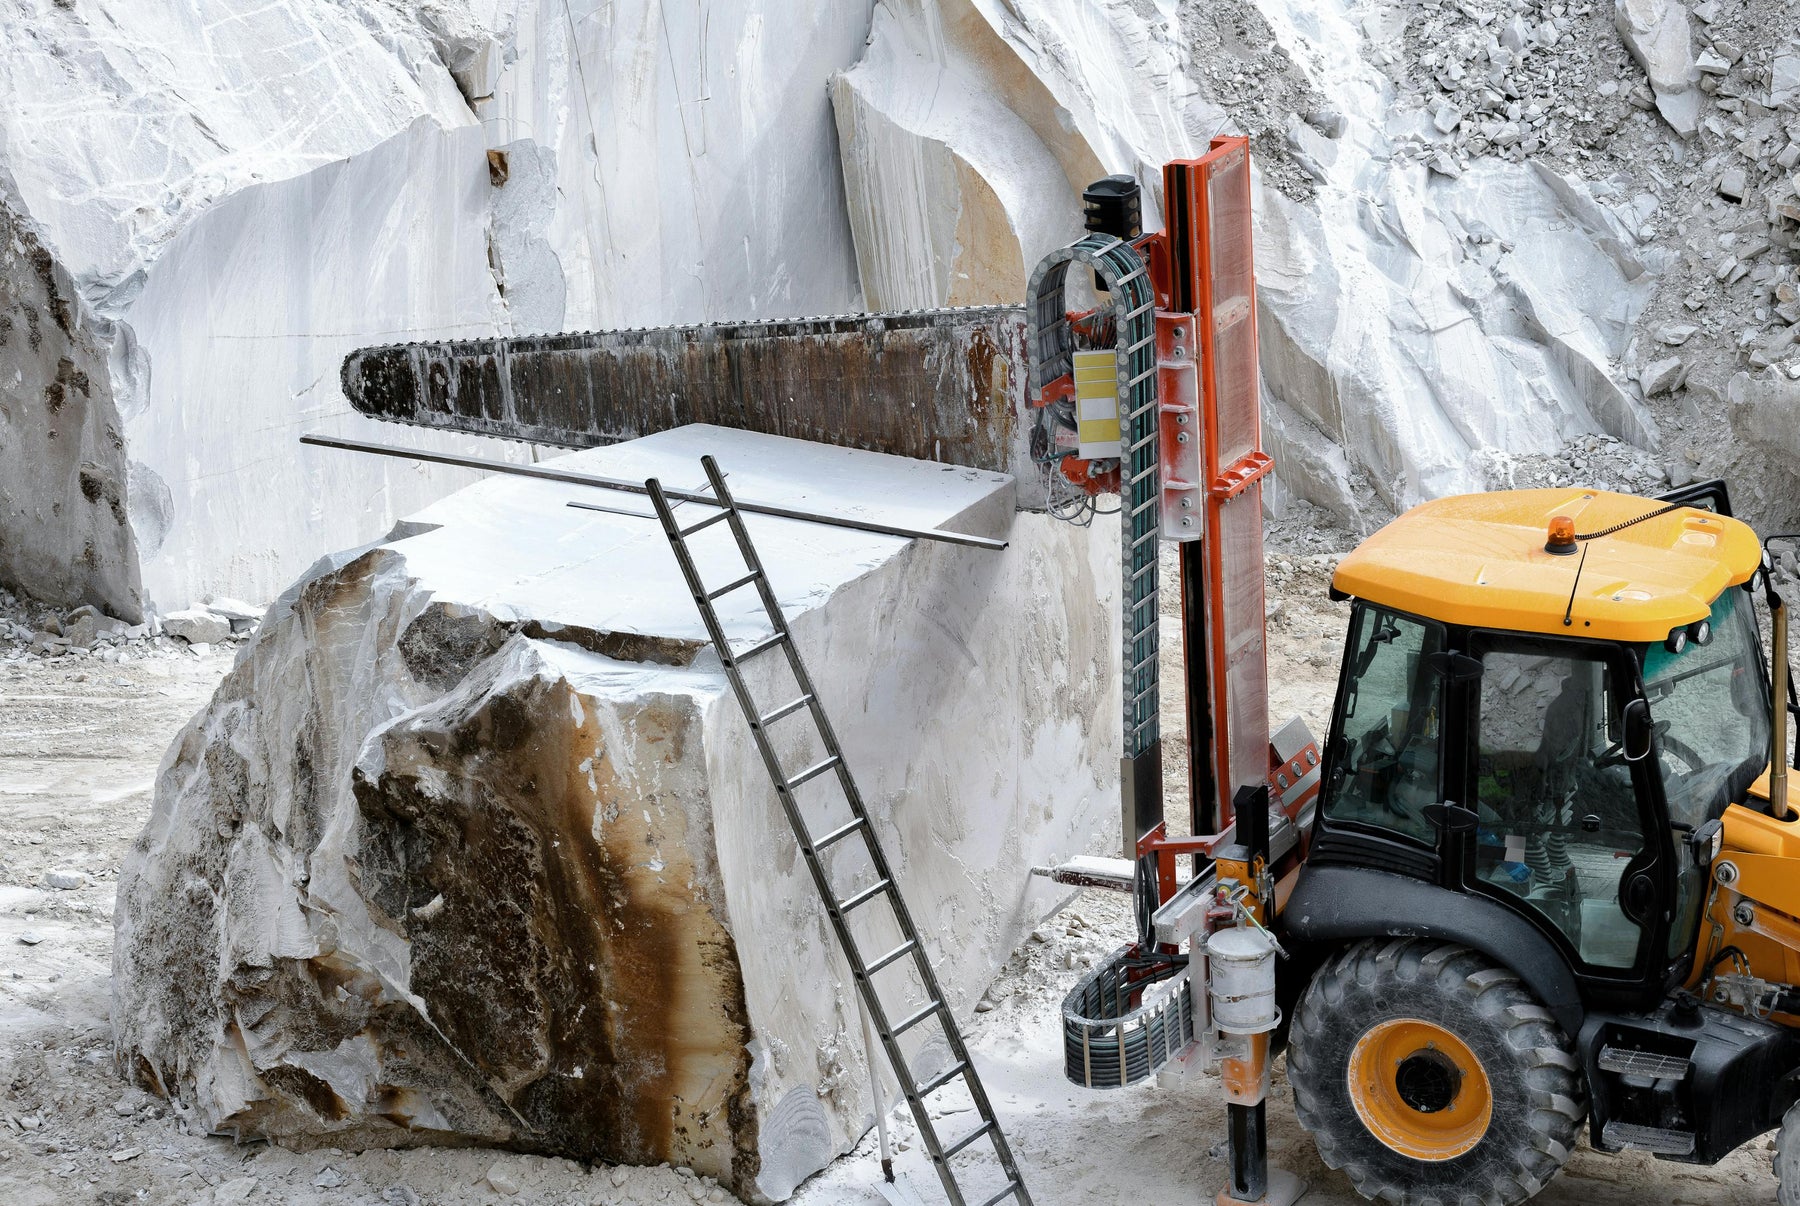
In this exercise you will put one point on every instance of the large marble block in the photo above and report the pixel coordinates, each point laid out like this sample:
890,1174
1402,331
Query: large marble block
473,844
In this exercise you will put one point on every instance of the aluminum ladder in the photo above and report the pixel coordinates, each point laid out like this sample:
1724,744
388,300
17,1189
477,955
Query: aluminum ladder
934,1008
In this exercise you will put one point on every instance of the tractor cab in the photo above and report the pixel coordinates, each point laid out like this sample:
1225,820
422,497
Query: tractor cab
1545,695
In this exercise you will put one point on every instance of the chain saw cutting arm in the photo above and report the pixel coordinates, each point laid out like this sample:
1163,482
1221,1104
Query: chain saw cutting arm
938,385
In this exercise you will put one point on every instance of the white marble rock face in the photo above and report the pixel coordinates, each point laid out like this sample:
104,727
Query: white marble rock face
231,200
205,205
473,844
1407,322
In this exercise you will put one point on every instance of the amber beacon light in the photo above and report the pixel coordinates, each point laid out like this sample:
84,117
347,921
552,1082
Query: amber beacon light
1562,536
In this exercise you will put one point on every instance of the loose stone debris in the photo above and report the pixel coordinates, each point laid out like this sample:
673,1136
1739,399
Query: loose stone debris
1684,121
29,629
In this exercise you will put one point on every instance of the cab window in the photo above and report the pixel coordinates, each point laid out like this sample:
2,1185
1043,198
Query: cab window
1710,705
1560,826
1386,739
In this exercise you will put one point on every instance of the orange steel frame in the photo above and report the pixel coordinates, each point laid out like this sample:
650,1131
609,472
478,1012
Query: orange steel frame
1181,269
1181,272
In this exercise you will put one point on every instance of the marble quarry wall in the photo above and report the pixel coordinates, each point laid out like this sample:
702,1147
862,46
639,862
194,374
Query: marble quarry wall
1410,319
235,197
1486,231
473,846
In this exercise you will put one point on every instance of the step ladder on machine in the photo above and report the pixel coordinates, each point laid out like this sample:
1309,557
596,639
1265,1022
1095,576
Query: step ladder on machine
909,952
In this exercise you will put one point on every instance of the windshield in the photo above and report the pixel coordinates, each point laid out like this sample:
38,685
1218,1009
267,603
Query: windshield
1711,710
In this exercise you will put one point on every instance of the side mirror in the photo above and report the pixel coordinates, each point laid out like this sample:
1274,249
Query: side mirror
1637,731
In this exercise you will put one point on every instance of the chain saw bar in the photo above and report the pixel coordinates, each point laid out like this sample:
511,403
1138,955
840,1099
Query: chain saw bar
939,385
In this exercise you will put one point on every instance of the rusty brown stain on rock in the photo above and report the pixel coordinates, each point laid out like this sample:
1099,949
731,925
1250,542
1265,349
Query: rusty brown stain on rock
620,646
571,959
442,644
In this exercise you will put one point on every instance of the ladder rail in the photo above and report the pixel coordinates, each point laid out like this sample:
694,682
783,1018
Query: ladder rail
884,883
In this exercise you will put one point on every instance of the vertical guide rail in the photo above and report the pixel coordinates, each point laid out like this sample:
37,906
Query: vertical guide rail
1211,275
812,848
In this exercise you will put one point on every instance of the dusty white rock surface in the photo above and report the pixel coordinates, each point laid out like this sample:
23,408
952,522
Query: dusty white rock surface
1657,33
204,206
472,844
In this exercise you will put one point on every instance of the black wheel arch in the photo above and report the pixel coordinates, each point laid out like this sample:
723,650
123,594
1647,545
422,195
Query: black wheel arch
1331,906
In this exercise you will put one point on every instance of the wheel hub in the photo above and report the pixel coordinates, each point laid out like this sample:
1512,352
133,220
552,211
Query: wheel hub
1428,1081
1420,1090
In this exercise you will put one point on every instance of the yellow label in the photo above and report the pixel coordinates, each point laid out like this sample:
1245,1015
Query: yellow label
1096,405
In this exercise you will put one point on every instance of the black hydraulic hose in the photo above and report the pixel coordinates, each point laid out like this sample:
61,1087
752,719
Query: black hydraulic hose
1713,963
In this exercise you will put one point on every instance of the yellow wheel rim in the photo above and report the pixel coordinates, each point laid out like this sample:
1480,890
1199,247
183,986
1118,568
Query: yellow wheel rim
1420,1090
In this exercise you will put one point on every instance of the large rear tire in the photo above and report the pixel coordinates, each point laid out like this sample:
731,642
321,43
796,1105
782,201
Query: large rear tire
1787,1158
1431,1077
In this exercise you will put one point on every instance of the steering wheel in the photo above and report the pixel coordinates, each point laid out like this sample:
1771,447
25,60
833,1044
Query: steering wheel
1689,757
1614,754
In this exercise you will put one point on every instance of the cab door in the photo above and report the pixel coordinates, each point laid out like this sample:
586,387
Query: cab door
1563,827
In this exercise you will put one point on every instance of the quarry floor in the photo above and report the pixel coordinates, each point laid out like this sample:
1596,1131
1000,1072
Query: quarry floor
79,747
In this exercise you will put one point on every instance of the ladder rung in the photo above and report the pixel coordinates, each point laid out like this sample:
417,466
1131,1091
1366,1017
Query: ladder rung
746,580
943,1078
786,709
863,897
903,949
838,835
709,521
1011,1190
760,647
912,1020
813,772
969,1138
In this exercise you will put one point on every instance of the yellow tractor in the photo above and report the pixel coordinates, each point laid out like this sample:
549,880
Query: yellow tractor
1546,880
1545,869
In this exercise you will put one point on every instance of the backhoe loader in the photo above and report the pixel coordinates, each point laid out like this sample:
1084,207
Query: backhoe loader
1544,872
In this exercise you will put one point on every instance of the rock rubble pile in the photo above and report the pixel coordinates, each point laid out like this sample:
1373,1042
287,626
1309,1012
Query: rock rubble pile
1517,80
30,629
1684,121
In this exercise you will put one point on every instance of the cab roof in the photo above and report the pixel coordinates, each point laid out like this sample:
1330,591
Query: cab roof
1479,560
